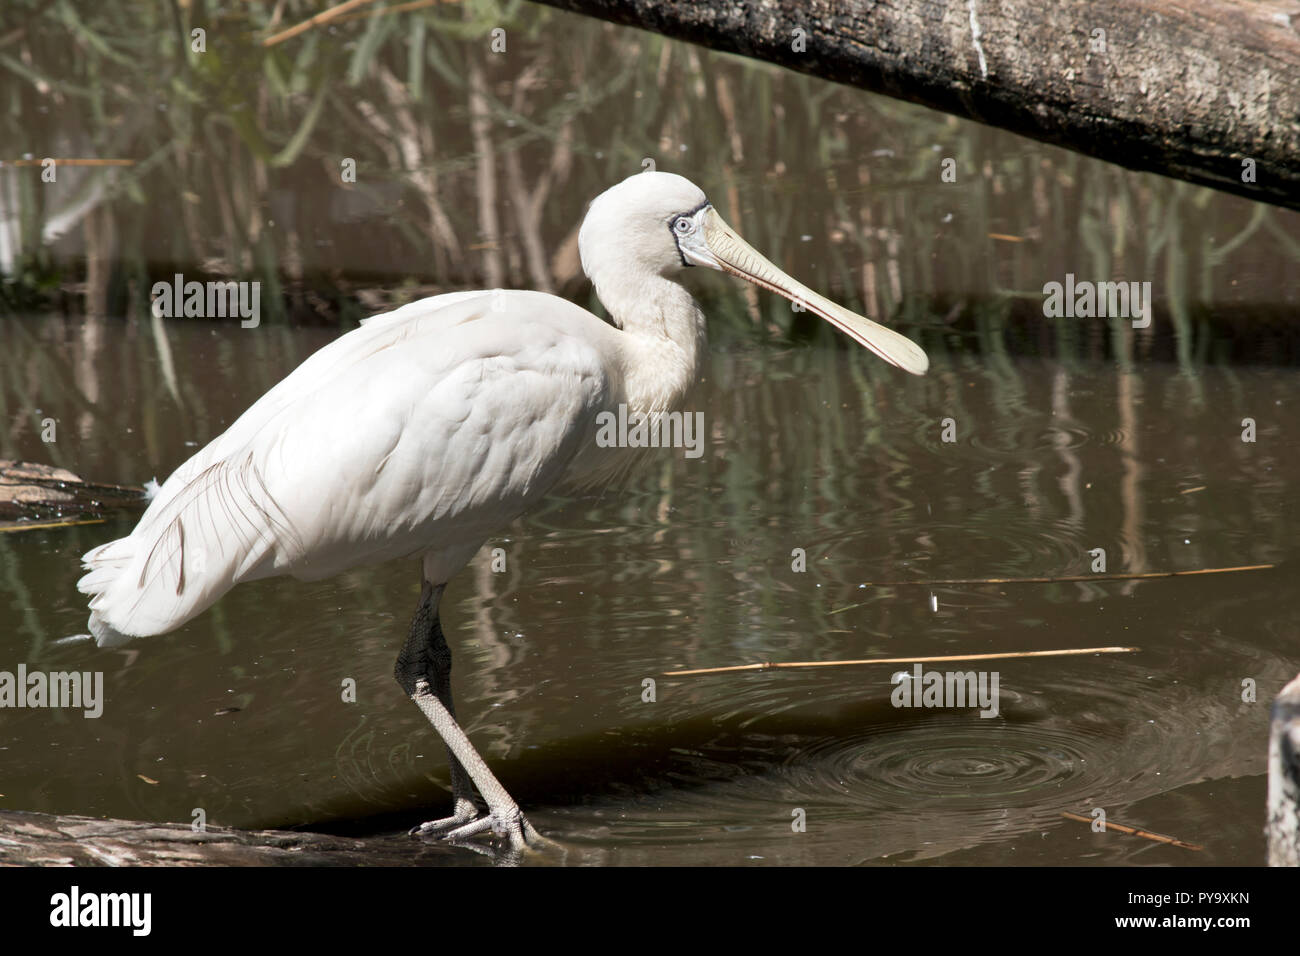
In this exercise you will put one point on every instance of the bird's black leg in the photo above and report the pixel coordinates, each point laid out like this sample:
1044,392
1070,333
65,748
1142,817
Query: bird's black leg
423,670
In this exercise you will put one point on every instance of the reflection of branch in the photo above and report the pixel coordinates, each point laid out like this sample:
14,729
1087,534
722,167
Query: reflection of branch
870,284
325,16
91,337
1130,486
1062,419
100,235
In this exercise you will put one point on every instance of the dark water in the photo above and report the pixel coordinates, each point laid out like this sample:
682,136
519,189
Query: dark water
1070,435
690,566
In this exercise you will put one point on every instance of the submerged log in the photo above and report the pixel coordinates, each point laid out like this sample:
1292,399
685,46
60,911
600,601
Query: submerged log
42,839
1202,90
39,839
1284,778
33,495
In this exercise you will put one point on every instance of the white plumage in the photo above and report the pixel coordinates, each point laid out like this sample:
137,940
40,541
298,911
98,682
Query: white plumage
420,433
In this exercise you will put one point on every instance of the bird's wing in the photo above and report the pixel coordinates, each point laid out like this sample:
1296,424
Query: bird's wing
414,436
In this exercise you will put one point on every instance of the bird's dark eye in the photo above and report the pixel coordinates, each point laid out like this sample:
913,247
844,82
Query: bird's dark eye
683,225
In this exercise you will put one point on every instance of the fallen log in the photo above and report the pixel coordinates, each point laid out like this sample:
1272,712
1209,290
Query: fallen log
39,839
1202,90
42,839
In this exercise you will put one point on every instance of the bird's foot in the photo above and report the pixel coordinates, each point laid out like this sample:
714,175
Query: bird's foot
466,822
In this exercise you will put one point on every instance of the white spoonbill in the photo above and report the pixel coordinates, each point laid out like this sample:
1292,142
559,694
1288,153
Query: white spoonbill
429,428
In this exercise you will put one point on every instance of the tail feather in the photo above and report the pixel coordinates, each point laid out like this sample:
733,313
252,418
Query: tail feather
189,549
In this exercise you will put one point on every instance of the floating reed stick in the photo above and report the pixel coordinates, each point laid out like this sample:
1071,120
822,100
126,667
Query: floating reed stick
8,526
771,665
1117,576
1133,831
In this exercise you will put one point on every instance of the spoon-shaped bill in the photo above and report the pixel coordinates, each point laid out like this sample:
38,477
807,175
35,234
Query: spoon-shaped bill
737,257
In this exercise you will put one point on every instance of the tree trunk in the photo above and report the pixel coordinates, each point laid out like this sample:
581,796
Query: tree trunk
1284,778
1203,90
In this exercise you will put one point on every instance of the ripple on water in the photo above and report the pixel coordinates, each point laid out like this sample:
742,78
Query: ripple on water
944,761
891,780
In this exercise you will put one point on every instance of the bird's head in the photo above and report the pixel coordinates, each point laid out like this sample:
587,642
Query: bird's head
659,223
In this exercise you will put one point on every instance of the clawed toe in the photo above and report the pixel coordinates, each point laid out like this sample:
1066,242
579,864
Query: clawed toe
459,827
464,813
436,828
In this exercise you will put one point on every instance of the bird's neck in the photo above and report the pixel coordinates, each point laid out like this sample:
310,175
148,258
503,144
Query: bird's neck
666,340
